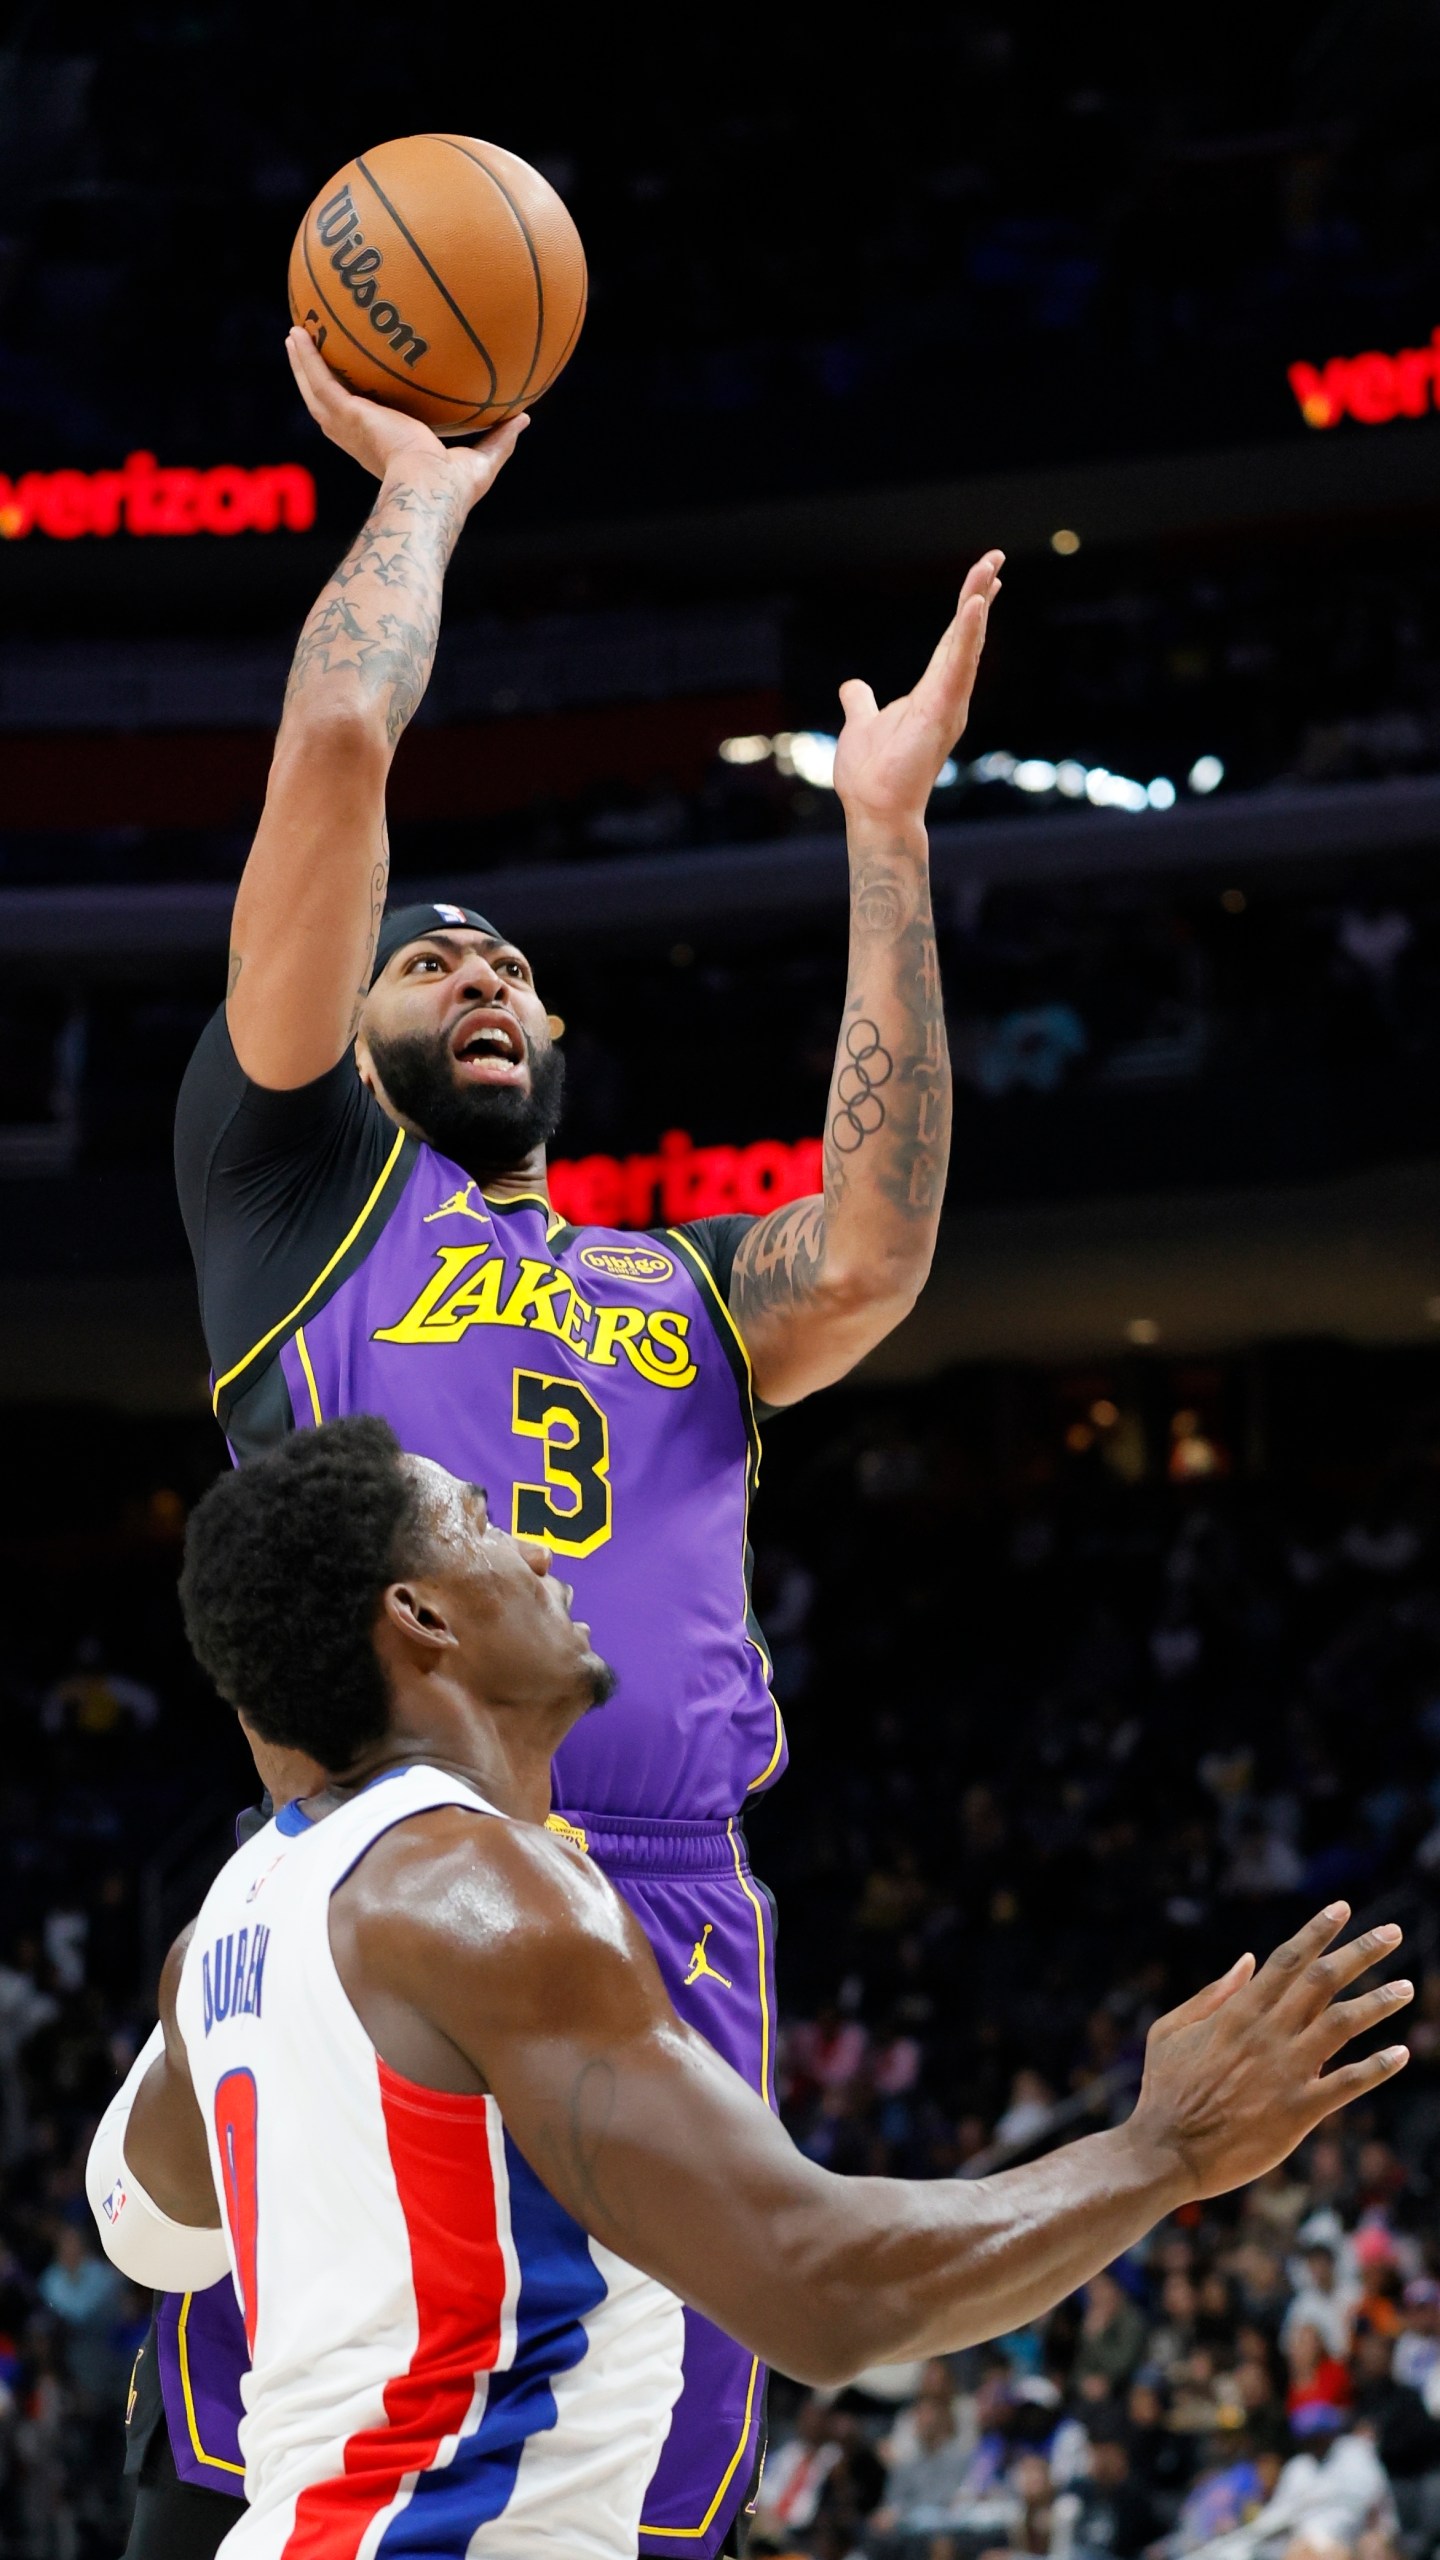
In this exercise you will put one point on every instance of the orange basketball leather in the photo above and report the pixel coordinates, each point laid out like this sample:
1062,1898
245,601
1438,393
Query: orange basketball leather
442,276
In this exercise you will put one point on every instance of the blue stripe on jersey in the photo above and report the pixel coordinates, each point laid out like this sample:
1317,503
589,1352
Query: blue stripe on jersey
292,1818
560,2286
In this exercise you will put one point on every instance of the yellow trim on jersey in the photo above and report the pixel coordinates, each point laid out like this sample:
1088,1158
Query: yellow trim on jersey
216,2461
700,1264
694,2532
303,1347
320,1279
696,1262
527,1200
769,1769
753,1899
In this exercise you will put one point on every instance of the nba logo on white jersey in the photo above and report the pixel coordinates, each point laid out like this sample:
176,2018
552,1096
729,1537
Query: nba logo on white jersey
442,2361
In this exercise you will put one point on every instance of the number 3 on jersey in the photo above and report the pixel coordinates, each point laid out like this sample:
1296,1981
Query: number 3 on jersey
571,1509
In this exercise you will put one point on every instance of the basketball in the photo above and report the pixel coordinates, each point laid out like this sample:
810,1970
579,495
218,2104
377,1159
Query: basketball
442,276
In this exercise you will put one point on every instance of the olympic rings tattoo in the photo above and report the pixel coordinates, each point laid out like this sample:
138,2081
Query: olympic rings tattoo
861,1111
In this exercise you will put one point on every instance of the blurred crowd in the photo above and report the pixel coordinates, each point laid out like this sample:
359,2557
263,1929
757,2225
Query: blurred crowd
1128,1729
1158,1684
77,1803
1260,2382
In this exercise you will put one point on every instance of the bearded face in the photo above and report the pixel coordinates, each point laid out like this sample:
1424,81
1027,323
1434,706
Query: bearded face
488,1129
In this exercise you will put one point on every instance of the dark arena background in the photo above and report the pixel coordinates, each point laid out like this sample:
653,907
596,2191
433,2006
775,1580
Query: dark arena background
1102,1600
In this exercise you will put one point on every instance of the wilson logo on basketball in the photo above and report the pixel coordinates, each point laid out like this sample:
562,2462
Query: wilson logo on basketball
442,276
627,1262
357,267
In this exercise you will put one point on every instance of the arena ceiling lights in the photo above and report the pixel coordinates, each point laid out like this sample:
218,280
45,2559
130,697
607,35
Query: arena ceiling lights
809,754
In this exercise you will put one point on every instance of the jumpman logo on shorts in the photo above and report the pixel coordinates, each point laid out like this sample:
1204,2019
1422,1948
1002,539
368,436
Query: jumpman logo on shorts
701,1967
457,1206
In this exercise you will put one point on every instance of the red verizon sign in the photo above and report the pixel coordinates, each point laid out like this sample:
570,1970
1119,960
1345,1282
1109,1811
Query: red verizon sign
146,498
681,1180
1371,388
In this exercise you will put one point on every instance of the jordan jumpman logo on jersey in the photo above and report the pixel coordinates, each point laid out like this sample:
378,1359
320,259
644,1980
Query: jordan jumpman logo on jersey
700,1963
457,1206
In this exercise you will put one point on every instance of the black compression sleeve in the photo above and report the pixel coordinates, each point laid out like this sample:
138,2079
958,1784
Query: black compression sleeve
717,1241
269,1184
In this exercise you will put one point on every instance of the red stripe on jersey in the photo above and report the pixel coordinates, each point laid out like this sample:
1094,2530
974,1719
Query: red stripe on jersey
440,2153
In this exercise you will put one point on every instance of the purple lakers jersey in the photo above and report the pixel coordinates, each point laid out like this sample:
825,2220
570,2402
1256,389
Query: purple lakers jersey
591,1379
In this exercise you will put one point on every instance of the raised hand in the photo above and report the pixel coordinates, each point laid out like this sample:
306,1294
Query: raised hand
888,762
313,890
1233,2079
383,440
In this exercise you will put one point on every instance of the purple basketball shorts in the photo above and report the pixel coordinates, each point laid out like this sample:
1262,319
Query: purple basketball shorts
712,1928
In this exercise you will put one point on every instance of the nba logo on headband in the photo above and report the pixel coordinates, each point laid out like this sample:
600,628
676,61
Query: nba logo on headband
452,915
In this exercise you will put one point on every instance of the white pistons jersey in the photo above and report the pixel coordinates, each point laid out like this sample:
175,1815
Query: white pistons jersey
442,2362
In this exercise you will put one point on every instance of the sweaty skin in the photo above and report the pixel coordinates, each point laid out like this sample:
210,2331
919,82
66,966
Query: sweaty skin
816,1284
489,1955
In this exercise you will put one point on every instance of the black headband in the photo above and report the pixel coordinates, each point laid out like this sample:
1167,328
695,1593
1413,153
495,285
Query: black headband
411,924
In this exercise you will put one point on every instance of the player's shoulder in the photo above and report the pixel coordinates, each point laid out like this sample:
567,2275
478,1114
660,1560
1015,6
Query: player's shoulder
457,1869
216,1092
459,1904
271,1183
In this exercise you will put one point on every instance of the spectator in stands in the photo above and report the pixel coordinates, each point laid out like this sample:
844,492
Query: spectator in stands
96,1702
796,2473
25,2008
86,2297
1329,2496
1259,2380
1028,2113
1259,2273
828,2055
1172,2343
1161,2459
1392,2413
1237,2475
936,2382
922,2492
1113,2516
1319,2302
854,2486
1377,2303
1417,2349
1318,2379
1033,2525
79,2286
1112,2340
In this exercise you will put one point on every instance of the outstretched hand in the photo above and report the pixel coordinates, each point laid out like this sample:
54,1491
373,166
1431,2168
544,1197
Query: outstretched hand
1236,2077
888,761
382,439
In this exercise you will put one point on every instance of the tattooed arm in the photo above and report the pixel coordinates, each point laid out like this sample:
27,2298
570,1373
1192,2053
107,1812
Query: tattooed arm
313,890
816,1285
